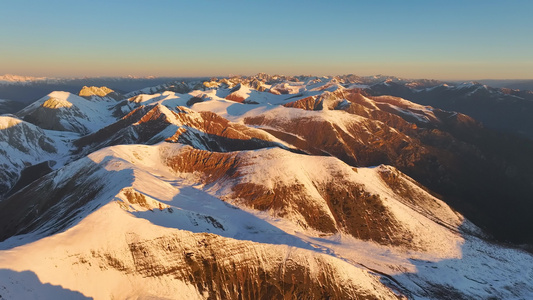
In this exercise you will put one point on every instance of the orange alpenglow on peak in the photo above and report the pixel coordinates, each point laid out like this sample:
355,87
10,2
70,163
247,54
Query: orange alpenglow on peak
88,91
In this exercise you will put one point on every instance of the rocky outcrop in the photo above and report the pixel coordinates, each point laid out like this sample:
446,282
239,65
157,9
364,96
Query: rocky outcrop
284,88
142,125
221,268
308,103
239,93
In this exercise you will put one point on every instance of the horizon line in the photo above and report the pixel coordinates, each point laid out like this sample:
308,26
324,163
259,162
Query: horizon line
129,76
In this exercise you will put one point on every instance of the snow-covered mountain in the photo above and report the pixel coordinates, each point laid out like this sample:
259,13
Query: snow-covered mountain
68,112
260,187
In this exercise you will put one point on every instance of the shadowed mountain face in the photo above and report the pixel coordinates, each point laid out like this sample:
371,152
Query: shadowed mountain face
262,187
502,109
22,145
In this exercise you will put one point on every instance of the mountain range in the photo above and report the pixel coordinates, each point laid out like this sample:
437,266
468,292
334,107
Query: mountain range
297,187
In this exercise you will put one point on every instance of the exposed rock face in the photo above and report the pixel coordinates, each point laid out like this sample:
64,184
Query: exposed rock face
228,269
239,93
284,88
28,210
206,266
309,103
258,85
330,203
236,98
120,131
196,99
359,142
23,136
54,103
95,91
52,111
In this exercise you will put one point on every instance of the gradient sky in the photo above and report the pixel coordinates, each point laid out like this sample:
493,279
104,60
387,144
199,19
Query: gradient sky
415,39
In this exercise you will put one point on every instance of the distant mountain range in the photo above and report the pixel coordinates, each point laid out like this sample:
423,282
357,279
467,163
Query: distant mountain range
498,108
268,187
509,84
28,89
506,107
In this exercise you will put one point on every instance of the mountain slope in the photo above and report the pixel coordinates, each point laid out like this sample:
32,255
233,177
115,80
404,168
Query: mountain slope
138,264
106,211
179,256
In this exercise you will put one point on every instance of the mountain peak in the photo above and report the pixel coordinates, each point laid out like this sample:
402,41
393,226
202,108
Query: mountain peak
88,91
56,103
8,121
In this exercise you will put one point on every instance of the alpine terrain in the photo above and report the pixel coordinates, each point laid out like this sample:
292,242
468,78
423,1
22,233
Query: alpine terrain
268,187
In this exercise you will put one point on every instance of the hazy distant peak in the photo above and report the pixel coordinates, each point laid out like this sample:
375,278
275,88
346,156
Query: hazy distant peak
18,78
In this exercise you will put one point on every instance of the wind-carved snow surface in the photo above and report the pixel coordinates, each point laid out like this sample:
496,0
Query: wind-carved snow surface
162,217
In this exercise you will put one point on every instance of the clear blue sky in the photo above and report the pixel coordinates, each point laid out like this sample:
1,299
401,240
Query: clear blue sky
416,39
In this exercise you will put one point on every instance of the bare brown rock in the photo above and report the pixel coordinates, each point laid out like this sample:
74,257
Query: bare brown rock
223,268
